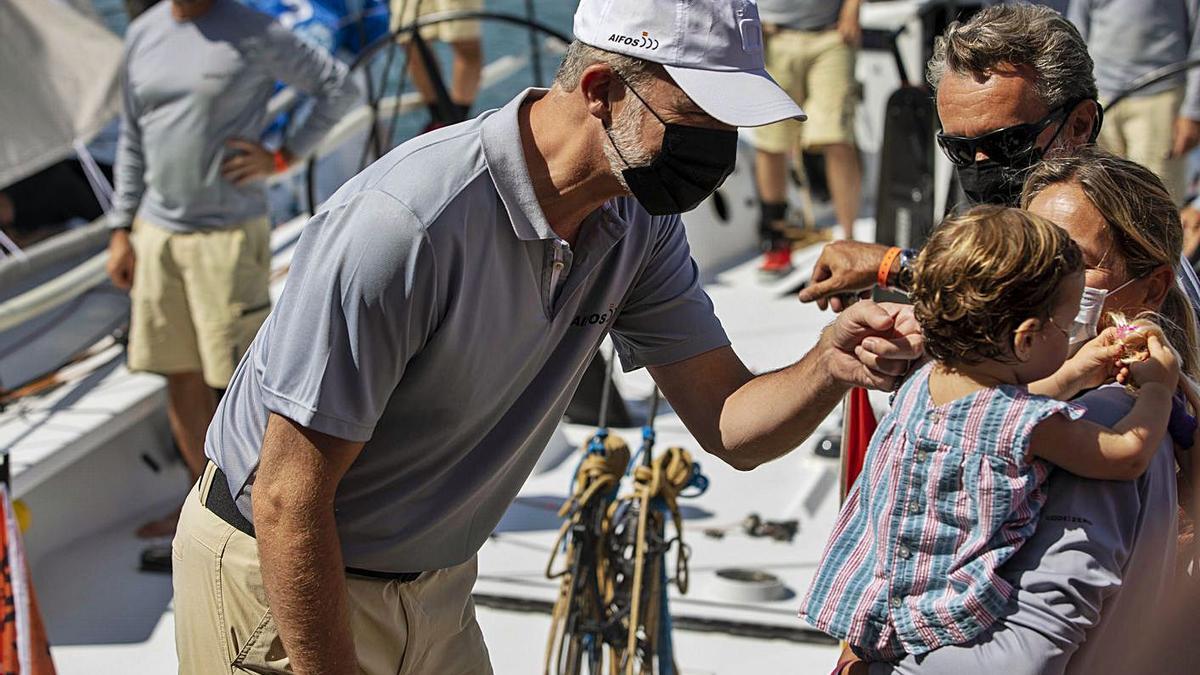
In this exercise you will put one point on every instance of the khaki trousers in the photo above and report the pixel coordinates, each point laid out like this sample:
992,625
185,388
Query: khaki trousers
815,68
1142,129
223,623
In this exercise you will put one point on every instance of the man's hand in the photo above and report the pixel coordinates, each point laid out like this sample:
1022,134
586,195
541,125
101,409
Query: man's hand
1189,217
845,267
1187,136
251,162
120,260
848,25
872,345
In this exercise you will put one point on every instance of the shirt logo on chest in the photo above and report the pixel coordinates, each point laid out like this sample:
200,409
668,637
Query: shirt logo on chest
593,319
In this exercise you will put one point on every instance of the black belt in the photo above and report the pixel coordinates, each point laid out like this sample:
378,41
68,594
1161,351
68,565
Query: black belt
220,502
799,29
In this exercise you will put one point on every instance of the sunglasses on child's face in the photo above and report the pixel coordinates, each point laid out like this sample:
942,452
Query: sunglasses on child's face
1003,146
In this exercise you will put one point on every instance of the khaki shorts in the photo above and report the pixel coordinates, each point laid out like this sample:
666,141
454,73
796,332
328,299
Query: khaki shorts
816,68
1142,128
198,298
223,624
404,12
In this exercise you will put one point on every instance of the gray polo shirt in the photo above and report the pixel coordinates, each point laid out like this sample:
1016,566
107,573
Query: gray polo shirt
190,86
431,312
1091,579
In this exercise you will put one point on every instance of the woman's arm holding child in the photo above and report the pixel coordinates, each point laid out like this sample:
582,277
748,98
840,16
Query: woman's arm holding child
1124,452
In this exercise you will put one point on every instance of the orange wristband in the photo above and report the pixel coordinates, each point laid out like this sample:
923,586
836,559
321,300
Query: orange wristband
281,164
885,267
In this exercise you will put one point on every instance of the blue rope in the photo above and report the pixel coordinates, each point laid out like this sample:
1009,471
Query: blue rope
666,649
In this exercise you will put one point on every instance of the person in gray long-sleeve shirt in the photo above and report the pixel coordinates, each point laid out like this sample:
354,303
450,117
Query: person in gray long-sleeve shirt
1159,125
190,171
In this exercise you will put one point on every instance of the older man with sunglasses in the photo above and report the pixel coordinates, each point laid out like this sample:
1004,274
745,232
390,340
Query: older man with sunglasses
1013,84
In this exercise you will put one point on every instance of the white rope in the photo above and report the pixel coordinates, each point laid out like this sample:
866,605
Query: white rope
8,246
96,179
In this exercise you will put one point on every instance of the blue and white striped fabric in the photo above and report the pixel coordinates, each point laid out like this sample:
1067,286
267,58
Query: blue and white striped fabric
947,496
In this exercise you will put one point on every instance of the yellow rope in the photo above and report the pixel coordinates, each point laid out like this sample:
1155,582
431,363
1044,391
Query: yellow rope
598,474
667,476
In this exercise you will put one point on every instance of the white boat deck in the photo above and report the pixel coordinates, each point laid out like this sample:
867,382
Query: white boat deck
82,457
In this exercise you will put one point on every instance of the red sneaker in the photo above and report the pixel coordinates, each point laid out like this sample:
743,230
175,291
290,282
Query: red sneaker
431,126
777,261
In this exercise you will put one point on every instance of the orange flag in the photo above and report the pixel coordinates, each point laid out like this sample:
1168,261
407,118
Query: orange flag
24,649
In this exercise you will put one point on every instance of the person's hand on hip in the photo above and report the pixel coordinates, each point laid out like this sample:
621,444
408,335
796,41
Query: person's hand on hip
844,268
251,161
873,345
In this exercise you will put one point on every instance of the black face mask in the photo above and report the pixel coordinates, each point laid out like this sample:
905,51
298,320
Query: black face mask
988,182
691,165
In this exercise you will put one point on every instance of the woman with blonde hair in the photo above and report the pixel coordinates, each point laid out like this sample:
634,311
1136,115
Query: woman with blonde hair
1127,223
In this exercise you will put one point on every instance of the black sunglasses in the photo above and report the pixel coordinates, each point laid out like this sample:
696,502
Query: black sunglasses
1003,146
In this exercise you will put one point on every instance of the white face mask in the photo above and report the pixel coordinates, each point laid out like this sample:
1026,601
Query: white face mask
1088,318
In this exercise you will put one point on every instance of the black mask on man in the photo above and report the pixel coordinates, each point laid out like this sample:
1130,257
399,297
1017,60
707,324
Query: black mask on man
989,182
691,165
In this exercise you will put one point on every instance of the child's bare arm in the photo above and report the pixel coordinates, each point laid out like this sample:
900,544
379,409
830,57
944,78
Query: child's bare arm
1122,453
1093,365
1125,451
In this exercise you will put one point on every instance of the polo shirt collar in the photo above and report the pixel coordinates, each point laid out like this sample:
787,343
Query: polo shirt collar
500,135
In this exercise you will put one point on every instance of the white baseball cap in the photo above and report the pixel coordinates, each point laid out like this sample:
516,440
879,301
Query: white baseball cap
713,49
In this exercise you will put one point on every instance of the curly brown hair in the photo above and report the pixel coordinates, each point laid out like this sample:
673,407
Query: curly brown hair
984,272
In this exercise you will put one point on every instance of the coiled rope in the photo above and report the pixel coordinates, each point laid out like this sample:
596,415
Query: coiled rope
655,495
584,588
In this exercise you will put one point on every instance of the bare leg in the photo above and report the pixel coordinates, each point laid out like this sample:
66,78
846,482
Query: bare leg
420,77
468,69
845,183
190,407
770,172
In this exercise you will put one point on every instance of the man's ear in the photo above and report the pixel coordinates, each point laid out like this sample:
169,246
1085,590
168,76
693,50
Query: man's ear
1083,123
1023,339
598,85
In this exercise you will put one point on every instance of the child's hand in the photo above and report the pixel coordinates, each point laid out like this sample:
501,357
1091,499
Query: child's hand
1160,367
1095,363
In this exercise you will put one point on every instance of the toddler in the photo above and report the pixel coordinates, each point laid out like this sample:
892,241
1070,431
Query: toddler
953,474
